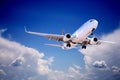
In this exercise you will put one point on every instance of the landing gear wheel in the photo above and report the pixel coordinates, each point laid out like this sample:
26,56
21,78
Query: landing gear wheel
83,47
68,45
91,34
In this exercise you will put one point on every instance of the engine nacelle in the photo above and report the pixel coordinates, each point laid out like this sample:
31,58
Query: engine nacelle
67,46
67,37
93,41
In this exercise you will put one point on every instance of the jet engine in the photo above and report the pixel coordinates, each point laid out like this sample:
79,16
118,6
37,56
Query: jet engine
66,46
93,41
67,37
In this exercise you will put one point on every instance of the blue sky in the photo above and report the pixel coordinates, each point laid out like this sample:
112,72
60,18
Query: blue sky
52,17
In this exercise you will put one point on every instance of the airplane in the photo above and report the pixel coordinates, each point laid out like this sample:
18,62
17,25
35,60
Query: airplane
80,36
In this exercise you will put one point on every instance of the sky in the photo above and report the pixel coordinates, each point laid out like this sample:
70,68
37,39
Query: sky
28,55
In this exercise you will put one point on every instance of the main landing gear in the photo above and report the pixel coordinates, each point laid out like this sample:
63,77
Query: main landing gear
83,47
92,31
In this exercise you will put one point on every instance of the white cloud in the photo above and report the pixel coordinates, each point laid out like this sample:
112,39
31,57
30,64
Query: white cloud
104,55
43,66
72,74
101,65
116,69
2,72
20,62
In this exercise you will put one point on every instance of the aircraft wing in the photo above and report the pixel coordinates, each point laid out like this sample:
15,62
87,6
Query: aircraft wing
49,36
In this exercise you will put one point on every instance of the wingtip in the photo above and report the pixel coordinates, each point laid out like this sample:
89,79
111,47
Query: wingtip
25,29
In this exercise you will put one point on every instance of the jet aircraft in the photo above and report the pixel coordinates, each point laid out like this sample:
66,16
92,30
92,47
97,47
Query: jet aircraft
79,37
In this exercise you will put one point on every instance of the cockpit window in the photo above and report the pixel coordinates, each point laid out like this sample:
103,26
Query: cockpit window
91,20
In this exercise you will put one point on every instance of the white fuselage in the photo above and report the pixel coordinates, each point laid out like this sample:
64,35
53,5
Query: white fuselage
83,32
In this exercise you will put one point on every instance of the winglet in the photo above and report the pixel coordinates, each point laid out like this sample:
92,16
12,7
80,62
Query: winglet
25,29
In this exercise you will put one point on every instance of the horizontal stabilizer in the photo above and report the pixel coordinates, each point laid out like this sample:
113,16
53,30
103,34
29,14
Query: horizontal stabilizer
56,45
102,41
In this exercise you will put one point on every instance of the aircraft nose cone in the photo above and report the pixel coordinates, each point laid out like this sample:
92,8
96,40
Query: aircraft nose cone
93,21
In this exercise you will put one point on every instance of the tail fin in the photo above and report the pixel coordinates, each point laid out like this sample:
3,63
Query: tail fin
63,32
